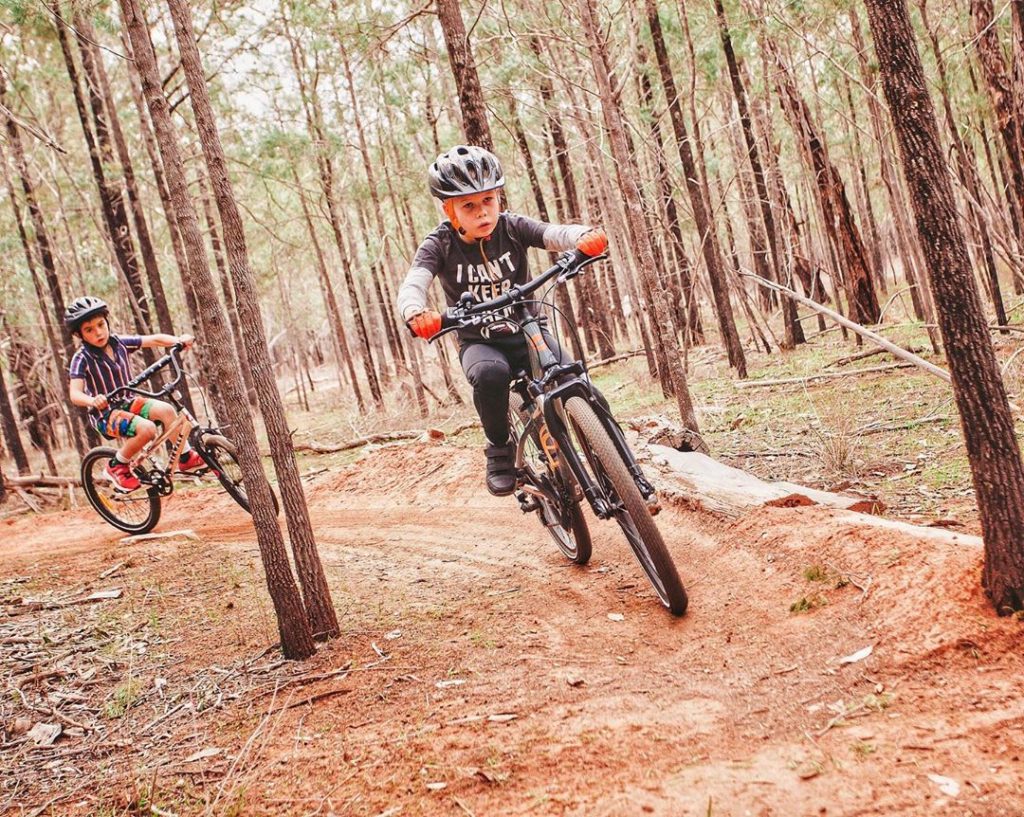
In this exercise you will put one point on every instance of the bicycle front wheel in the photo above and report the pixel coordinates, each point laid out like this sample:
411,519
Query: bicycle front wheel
564,520
133,512
220,454
632,513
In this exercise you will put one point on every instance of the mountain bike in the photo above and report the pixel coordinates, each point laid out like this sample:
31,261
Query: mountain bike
569,447
138,511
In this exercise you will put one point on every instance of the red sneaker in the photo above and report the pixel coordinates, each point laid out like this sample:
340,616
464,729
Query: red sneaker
191,461
120,473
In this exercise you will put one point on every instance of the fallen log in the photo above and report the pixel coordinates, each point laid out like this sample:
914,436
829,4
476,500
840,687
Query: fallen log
719,488
424,434
787,381
898,351
35,480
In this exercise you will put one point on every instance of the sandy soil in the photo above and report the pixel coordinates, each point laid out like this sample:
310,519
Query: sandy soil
485,676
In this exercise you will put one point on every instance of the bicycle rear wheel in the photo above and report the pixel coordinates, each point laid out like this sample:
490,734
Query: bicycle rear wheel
133,512
220,454
633,516
564,520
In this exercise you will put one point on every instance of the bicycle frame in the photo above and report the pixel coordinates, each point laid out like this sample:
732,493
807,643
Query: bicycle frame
179,431
551,383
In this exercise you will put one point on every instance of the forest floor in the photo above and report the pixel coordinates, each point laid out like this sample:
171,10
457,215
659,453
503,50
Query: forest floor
478,673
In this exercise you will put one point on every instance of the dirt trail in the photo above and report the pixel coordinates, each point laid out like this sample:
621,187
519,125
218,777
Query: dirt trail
507,682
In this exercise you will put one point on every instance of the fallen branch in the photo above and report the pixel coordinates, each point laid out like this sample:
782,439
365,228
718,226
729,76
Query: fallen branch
33,480
898,351
614,359
786,381
384,437
863,355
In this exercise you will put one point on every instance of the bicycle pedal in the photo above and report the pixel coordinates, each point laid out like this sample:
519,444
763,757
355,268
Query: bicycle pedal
653,505
526,504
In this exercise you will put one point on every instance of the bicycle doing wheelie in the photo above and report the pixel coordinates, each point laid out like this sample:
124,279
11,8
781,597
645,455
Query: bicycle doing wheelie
138,511
568,445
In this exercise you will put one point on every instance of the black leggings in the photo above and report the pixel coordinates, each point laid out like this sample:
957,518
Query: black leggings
489,368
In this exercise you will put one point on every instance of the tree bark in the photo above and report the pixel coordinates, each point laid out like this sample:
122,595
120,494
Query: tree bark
839,220
467,81
708,236
640,238
87,41
228,291
294,627
793,332
9,424
316,593
978,389
100,152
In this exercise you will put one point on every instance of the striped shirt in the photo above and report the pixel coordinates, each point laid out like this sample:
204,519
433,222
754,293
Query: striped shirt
101,372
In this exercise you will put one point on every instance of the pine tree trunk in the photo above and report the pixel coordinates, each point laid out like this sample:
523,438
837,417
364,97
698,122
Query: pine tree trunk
316,593
793,332
1000,93
241,359
907,238
460,56
62,355
9,425
981,400
968,175
639,237
88,40
294,627
111,201
338,334
705,227
839,220
325,169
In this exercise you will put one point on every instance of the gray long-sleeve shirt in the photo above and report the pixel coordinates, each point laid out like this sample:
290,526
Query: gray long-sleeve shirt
485,268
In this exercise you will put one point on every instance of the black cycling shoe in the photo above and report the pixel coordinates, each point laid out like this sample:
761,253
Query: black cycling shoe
501,469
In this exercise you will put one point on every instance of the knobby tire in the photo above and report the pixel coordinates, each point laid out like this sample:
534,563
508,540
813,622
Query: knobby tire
574,541
135,512
634,518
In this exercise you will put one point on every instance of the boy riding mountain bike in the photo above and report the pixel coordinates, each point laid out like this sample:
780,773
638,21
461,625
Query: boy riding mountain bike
99,367
482,251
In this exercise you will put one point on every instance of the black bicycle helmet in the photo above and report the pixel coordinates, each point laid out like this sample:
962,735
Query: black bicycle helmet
81,309
464,170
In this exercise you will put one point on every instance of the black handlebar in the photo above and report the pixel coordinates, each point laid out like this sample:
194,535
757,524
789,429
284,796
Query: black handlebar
469,312
170,359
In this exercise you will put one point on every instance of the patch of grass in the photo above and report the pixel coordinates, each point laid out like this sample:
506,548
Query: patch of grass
861,749
807,603
815,573
123,699
480,639
878,703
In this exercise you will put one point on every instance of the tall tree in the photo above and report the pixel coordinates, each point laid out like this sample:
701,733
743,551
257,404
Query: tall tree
97,140
9,425
293,625
793,332
978,389
467,81
640,238
316,593
705,225
62,357
839,219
